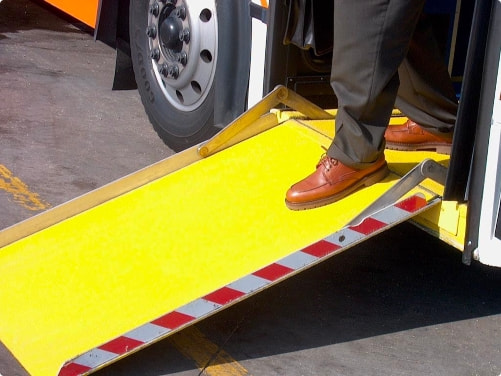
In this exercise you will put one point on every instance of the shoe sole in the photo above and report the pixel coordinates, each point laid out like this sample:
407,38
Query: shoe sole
367,181
439,148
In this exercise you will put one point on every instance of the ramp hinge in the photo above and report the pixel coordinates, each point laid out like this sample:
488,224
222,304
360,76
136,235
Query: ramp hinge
426,169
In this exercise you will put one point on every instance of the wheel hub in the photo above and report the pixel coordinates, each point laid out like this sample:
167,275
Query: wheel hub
183,49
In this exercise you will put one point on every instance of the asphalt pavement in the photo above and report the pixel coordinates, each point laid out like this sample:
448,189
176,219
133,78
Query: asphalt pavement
401,303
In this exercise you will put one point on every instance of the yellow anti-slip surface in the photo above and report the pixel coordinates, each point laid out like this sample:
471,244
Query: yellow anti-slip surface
88,279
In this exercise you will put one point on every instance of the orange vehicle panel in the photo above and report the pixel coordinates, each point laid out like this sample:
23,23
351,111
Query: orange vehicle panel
85,11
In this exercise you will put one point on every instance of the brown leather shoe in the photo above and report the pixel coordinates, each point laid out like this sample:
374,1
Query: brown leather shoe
332,181
412,137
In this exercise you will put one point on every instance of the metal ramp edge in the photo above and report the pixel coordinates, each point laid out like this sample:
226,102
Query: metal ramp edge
251,284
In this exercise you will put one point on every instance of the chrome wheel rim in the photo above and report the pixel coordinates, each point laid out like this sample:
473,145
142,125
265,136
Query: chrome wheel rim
183,49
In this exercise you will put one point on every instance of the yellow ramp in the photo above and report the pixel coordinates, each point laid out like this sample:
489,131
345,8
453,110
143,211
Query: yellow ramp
86,291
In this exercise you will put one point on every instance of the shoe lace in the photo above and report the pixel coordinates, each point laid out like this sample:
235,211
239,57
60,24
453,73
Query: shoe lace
326,161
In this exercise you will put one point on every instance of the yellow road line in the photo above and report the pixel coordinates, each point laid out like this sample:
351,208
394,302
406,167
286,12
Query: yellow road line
210,359
20,191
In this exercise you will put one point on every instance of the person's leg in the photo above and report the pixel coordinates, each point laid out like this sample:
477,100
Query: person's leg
371,39
426,94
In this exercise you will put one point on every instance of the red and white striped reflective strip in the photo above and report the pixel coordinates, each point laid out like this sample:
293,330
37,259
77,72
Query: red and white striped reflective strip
242,288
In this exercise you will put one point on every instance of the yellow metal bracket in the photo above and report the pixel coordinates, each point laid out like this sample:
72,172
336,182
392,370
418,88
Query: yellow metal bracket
280,95
449,216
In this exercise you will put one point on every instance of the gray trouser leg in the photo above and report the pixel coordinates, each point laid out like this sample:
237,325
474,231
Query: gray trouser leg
426,94
371,39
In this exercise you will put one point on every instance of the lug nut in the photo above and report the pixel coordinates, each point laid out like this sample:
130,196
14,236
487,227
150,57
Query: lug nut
182,58
155,54
164,70
155,9
181,12
151,31
184,36
174,71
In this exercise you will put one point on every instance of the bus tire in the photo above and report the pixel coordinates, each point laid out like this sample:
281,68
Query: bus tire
174,50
